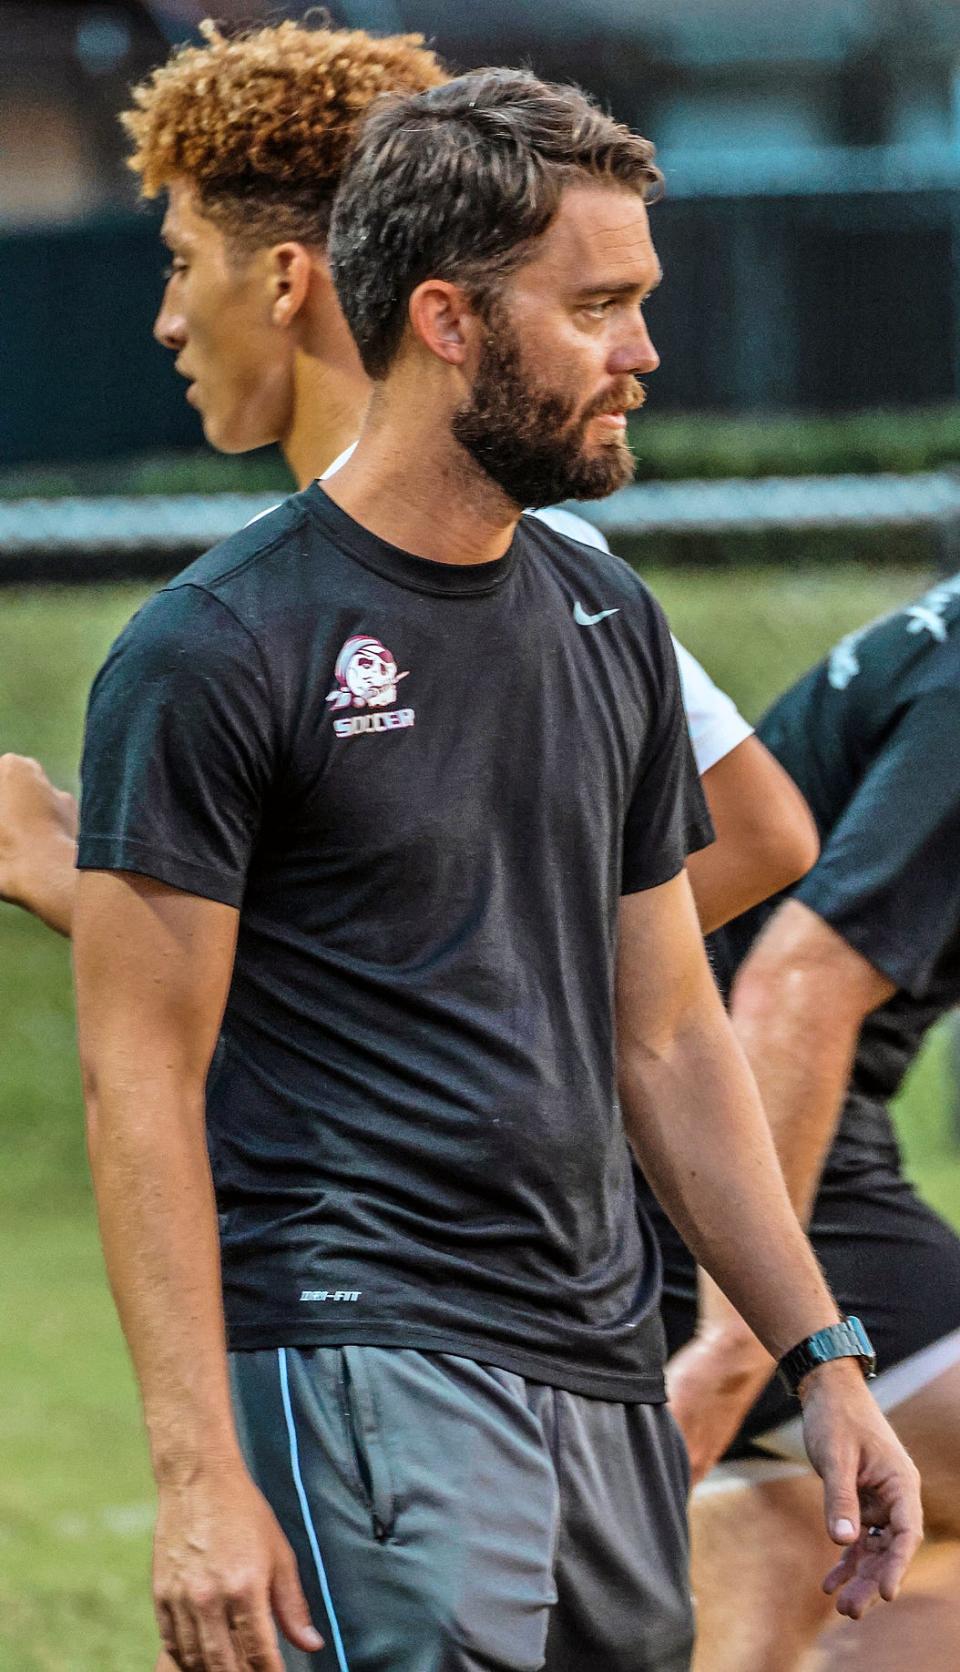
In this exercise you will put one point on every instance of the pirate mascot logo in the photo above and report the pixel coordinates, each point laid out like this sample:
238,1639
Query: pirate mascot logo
366,675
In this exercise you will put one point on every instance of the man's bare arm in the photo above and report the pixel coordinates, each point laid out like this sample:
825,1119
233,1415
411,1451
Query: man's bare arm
797,1007
38,843
765,835
695,1119
153,968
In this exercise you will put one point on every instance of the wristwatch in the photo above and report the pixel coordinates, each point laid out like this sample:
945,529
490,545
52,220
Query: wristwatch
848,1339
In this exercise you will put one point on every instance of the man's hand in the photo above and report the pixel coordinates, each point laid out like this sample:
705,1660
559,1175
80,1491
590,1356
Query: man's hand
223,1572
871,1488
38,829
711,1383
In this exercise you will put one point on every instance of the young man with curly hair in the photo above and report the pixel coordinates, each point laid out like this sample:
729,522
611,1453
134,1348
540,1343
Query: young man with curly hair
247,136
386,806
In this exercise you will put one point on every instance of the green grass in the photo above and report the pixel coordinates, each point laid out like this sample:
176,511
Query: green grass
52,640
758,629
187,470
74,1488
75,1491
76,1496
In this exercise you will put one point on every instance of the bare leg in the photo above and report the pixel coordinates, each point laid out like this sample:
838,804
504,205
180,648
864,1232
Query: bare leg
760,1552
922,1628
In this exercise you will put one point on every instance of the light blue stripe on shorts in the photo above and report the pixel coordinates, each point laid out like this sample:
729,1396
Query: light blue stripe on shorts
305,1512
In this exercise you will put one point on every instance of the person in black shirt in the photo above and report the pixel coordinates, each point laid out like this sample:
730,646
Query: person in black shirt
833,992
385,808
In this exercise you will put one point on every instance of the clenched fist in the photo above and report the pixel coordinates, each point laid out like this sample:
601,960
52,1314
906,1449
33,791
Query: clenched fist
38,828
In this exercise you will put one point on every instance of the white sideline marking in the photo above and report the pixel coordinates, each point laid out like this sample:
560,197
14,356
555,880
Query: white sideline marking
748,1471
122,1520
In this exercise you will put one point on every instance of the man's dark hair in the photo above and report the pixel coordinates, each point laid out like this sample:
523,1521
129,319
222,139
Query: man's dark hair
456,183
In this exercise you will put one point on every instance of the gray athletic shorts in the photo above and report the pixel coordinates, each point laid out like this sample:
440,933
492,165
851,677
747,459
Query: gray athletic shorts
452,1517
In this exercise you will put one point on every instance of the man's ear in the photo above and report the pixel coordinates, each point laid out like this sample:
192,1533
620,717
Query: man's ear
443,319
290,271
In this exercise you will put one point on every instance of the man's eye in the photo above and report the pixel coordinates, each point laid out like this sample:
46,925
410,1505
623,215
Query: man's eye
177,265
596,310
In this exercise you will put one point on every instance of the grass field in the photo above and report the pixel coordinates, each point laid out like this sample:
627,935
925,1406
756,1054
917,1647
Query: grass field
74,1488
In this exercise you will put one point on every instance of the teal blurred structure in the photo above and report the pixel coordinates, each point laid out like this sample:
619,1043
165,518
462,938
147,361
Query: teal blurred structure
810,234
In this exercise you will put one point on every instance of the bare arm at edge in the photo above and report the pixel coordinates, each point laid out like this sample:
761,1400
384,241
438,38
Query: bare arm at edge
765,835
797,1007
38,848
153,969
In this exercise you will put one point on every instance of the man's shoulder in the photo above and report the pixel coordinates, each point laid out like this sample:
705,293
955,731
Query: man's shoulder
907,653
599,589
243,593
563,537
252,553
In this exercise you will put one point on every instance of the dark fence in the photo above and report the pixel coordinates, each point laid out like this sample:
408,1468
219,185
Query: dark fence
151,536
815,302
80,374
818,303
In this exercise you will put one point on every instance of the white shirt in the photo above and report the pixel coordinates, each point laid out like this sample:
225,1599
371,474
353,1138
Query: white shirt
716,725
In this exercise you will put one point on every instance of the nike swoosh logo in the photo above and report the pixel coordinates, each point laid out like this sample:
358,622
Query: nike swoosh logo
582,619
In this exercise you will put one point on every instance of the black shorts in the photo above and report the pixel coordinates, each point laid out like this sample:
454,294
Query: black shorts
888,1257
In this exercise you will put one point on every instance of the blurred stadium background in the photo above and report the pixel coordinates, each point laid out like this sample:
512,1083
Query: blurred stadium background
809,327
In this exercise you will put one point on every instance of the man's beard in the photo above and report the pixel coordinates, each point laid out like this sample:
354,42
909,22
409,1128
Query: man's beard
523,435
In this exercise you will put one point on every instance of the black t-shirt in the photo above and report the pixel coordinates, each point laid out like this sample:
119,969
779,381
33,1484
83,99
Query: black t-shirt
872,737
425,786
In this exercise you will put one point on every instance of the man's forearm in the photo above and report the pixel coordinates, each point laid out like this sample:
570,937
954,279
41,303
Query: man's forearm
153,968
801,1063
158,1223
797,1008
696,1122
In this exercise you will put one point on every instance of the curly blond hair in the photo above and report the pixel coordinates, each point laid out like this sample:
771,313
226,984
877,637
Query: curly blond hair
261,123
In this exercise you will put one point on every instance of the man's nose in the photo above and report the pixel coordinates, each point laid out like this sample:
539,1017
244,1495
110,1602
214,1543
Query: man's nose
636,352
170,327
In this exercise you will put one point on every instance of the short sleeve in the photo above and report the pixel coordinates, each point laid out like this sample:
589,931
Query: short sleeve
178,749
888,877
667,818
716,725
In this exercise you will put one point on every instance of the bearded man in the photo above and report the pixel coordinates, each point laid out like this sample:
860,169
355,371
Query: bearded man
427,958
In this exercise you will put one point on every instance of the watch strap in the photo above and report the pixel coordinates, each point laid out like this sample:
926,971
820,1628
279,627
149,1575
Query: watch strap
848,1339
